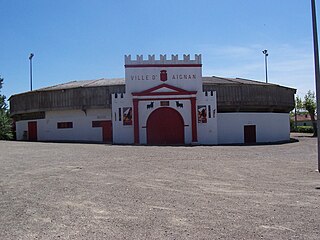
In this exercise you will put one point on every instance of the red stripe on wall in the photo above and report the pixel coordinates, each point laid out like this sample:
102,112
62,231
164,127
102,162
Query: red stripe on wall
136,121
194,120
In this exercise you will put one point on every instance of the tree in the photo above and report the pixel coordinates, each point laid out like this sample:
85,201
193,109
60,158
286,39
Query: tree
311,106
299,104
5,121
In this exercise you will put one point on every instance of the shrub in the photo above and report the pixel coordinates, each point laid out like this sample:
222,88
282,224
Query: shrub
304,129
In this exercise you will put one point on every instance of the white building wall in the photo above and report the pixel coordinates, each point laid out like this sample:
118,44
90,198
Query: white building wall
142,78
82,125
208,132
21,130
123,134
270,127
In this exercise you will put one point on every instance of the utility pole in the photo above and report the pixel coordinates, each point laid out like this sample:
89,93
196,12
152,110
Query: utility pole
317,72
265,52
30,58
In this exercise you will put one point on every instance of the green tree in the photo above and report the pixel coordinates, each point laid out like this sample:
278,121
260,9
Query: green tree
5,121
299,104
311,106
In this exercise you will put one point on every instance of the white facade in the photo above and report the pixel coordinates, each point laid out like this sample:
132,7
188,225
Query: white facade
158,85
270,127
82,130
163,104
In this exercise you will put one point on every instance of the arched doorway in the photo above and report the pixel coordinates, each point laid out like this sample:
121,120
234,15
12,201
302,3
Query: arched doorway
165,126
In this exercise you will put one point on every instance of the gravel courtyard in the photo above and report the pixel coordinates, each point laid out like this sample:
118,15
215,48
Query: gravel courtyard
92,191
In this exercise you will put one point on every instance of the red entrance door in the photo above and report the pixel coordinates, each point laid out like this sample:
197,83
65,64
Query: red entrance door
165,126
32,131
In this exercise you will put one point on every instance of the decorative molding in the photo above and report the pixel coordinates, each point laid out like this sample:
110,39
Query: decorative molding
172,91
185,61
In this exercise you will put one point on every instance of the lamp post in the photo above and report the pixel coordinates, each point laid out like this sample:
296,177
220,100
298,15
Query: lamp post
265,52
317,71
30,58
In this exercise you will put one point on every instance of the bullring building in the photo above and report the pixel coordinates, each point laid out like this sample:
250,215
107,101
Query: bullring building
163,101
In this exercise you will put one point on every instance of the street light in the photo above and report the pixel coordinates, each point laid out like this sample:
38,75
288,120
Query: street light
30,58
317,71
265,52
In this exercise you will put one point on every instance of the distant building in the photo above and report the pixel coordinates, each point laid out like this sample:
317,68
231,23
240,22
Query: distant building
160,101
303,119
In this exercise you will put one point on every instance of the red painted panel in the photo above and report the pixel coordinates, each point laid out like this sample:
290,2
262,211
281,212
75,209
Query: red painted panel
136,120
165,126
32,131
107,131
194,120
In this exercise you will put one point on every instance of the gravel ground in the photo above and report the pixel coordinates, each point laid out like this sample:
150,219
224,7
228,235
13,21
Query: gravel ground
92,191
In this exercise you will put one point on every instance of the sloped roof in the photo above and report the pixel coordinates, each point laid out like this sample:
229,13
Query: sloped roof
85,83
213,80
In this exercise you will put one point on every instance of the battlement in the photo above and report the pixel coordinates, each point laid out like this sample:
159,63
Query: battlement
163,60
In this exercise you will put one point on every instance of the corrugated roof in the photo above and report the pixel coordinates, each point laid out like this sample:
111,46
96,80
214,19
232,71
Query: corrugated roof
121,81
85,83
220,80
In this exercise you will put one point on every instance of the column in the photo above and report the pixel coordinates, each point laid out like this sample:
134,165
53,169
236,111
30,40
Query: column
136,120
194,119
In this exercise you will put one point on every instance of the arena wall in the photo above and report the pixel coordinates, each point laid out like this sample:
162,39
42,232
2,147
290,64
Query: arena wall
270,127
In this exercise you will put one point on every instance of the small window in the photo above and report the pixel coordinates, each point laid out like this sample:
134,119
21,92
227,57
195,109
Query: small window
119,114
65,125
164,103
96,124
209,111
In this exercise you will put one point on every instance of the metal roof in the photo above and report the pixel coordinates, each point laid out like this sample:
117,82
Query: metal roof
85,83
214,80
121,81
233,95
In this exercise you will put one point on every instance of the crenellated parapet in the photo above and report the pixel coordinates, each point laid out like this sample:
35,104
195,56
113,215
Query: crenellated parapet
163,60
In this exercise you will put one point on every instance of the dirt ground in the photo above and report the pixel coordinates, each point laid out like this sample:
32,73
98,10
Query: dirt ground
96,191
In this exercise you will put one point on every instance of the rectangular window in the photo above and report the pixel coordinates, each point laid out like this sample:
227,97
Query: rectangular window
209,111
164,103
96,124
119,114
65,125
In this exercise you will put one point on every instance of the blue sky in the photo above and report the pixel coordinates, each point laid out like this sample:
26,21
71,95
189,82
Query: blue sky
87,39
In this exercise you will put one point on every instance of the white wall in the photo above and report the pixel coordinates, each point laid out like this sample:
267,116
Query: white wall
270,127
151,78
82,125
21,127
122,134
142,78
208,132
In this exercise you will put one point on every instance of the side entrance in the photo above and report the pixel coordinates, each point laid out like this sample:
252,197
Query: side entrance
250,134
165,126
32,131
